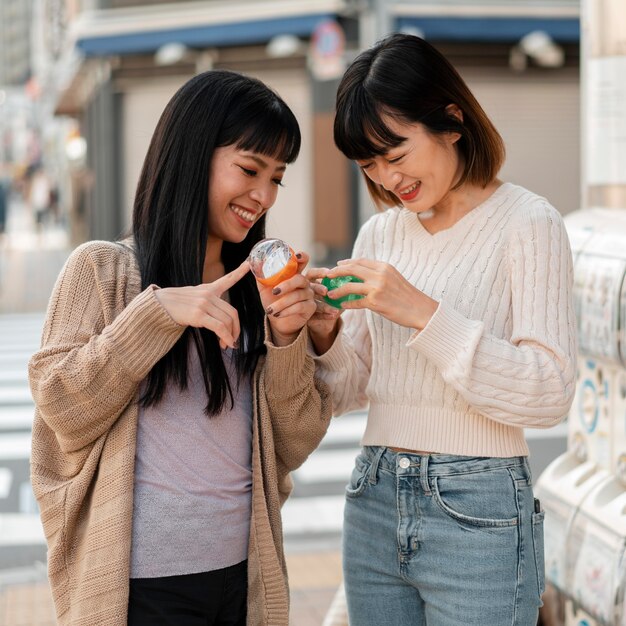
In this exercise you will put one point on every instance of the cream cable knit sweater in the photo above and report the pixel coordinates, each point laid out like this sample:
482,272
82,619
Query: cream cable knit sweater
498,355
101,337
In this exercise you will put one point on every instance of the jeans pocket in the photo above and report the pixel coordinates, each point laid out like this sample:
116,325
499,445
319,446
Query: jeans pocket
358,478
537,524
482,499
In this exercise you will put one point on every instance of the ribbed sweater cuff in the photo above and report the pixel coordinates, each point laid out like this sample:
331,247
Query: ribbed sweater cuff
286,367
336,357
142,333
446,337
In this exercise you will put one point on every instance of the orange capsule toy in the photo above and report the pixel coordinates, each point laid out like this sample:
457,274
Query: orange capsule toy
272,261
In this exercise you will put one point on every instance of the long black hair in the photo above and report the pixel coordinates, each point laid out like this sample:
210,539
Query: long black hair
170,217
406,78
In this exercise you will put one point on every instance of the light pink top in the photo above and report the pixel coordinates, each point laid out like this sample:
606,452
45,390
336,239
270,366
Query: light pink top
193,481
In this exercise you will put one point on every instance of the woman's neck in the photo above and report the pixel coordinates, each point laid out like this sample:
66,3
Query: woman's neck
456,204
213,267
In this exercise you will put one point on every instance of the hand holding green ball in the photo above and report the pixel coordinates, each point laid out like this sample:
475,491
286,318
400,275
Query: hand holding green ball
335,283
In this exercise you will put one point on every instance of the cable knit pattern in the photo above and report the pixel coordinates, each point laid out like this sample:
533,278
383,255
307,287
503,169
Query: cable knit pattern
499,353
101,337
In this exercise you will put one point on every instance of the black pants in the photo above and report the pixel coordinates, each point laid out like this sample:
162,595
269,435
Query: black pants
216,598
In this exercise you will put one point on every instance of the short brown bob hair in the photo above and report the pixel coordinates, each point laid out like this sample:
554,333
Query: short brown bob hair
405,77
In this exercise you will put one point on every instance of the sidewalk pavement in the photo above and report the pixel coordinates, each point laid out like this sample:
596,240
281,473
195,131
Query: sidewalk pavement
30,262
313,580
313,576
26,604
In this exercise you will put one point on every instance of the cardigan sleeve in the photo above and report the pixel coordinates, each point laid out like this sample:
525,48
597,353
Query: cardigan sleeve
346,366
299,403
528,380
91,361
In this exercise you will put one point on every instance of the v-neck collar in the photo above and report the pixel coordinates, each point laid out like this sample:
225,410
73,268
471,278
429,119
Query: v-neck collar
415,227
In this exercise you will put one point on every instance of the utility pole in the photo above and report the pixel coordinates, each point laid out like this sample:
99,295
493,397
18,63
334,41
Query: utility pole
603,68
375,22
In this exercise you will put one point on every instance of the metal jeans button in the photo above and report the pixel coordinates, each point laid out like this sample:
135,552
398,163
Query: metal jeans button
404,462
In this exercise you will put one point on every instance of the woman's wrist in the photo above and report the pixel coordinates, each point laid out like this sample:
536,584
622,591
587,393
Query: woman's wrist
283,339
322,342
426,313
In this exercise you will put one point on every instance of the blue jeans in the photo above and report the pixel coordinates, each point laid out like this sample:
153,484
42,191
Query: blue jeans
442,540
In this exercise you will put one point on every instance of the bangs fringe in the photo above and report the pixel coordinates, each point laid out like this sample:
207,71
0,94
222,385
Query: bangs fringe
362,133
274,135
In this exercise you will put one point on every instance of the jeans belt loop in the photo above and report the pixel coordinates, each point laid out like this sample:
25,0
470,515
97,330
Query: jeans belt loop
373,474
424,473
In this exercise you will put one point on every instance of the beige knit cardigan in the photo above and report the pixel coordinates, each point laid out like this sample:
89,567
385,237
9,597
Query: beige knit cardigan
101,337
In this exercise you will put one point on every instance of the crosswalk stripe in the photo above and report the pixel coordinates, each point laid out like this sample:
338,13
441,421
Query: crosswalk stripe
16,417
321,514
16,342
20,318
345,429
16,355
13,376
327,466
15,446
20,529
15,395
6,479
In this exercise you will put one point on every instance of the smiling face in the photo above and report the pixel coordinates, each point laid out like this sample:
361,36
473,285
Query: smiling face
242,187
421,171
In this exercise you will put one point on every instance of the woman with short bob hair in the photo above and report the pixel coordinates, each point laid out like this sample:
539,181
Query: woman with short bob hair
170,405
416,86
463,334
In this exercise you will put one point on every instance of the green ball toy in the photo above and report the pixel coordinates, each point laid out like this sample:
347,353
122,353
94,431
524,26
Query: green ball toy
334,283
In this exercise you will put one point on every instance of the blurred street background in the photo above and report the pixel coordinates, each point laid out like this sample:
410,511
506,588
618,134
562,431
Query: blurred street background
82,84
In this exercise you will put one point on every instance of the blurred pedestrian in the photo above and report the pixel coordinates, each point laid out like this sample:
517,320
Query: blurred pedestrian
463,337
53,203
5,189
39,197
170,408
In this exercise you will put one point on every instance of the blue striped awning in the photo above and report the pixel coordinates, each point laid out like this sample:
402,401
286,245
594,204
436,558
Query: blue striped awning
228,34
491,29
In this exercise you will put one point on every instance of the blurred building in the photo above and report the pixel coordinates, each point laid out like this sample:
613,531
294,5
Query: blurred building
113,65
15,23
15,71
117,63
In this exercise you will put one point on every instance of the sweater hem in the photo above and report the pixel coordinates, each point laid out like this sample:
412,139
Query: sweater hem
442,431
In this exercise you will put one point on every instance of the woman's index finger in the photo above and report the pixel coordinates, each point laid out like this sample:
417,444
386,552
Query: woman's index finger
228,280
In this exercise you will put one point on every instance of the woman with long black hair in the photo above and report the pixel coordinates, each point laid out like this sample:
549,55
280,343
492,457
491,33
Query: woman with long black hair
170,406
